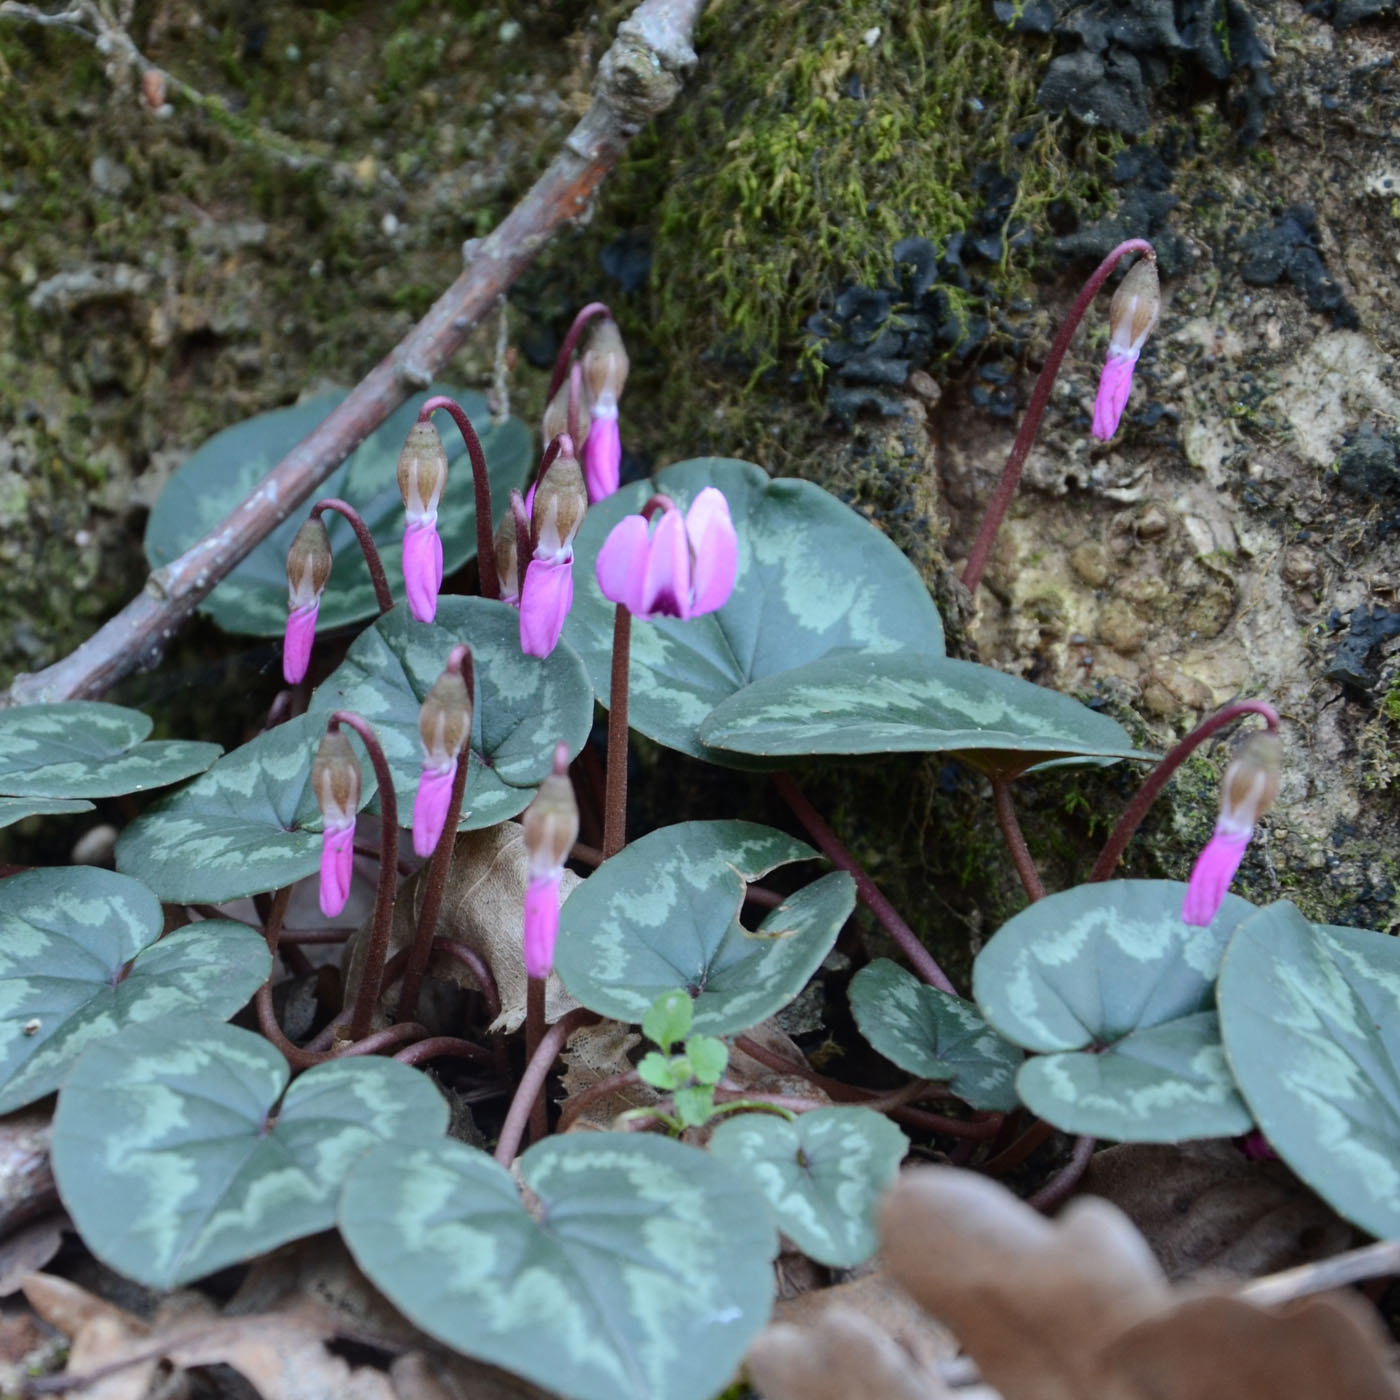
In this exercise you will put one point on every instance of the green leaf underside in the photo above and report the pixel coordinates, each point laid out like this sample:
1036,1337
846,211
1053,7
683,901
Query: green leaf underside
664,913
87,748
643,1276
65,936
169,1161
814,578
1166,1083
823,1175
908,703
227,469
1311,1022
933,1035
14,809
524,704
249,824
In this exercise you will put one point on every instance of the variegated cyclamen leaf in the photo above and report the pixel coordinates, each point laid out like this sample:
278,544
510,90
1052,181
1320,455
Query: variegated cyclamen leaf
814,578
66,936
525,705
1112,983
823,1175
14,809
642,1272
909,703
664,913
179,1148
249,824
1311,1020
87,748
935,1036
229,467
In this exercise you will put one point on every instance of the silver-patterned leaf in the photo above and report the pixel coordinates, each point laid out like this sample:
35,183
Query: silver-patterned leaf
249,824
88,748
641,1274
935,1036
814,578
823,1175
179,1148
664,913
66,937
228,468
1311,1020
15,809
524,704
909,703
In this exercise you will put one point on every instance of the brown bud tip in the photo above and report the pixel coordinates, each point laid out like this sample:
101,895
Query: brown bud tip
308,563
507,557
335,778
445,717
605,362
551,825
556,416
1136,305
1251,782
561,499
422,470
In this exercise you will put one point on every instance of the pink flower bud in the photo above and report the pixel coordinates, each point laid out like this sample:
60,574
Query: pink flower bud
556,414
551,828
308,571
605,368
557,507
1132,314
422,476
445,729
335,779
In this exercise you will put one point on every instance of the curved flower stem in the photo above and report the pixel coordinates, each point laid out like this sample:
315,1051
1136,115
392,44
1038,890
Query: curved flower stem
1058,1188
441,864
387,887
599,1090
1011,1157
436,1045
615,800
830,846
481,483
382,597
1147,794
272,927
1016,842
469,957
534,1033
1035,411
566,350
300,1057
532,1081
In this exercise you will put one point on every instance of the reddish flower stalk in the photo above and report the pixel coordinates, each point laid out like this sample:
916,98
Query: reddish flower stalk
382,597
566,350
615,793
1015,841
1137,809
1035,411
481,483
532,1081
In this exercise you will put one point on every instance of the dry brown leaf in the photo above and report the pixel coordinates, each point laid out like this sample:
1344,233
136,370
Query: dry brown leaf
757,1078
483,906
29,1249
445,1376
102,1335
1204,1206
596,1053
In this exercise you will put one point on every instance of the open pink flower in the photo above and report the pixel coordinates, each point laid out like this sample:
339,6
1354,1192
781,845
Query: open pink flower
337,867
541,922
1211,875
602,453
683,568
1132,315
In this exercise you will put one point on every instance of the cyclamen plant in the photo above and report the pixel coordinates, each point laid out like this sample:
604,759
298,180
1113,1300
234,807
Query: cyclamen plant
1131,1009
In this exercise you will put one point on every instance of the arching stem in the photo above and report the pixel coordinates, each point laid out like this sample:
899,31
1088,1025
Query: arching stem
382,597
481,483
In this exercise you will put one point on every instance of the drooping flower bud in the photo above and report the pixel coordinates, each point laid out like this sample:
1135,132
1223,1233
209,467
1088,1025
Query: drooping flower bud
605,368
547,591
556,415
551,828
1132,314
422,477
445,728
1247,791
308,572
335,779
508,560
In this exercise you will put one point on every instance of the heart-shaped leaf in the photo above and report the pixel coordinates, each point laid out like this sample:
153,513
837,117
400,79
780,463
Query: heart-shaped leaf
823,1175
524,704
249,824
228,468
642,1273
14,809
1110,980
179,1148
664,913
66,937
1311,1020
814,578
935,1036
86,748
908,703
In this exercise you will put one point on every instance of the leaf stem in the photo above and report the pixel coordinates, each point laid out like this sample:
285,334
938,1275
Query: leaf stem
1059,1187
382,597
436,1045
481,484
615,799
1015,841
532,1081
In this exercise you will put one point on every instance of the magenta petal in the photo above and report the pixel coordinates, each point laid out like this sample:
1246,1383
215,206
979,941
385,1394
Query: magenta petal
422,569
602,458
296,645
1115,383
1211,875
541,923
337,864
545,600
715,544
666,588
430,807
622,562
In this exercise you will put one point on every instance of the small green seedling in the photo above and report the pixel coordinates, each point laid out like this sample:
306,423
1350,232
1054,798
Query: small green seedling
691,1075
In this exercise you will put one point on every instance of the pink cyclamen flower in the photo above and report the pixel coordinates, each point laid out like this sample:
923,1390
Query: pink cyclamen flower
444,728
308,571
684,568
541,922
602,453
335,779
550,829
1247,791
605,367
557,505
1132,315
422,475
